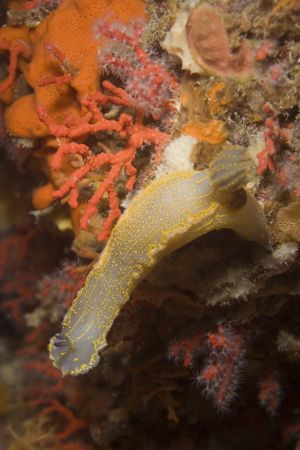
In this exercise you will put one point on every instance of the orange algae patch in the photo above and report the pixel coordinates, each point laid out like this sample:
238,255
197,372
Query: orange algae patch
211,132
70,29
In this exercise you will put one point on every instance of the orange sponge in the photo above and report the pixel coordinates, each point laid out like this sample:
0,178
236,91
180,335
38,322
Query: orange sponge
70,29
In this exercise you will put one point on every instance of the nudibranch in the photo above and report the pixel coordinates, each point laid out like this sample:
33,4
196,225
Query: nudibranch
170,212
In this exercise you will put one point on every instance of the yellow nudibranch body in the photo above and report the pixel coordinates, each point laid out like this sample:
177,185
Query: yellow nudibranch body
167,214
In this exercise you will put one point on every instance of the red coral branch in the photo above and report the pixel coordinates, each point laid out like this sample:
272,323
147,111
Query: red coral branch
62,285
123,159
58,80
17,284
64,66
15,49
50,372
82,126
186,349
273,133
20,293
91,122
73,423
149,85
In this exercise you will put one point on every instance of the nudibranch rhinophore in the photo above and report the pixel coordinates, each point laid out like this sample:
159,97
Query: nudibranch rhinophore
170,212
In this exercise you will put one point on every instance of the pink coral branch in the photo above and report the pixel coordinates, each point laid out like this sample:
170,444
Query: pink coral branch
149,86
127,34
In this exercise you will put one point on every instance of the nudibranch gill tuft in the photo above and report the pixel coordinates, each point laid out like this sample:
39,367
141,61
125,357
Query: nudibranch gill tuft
172,211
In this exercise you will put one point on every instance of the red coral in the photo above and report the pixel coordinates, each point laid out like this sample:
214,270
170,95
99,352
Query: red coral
94,121
264,51
65,67
186,349
220,375
15,49
73,423
62,285
17,276
269,394
44,392
273,135
132,132
150,86
58,80
20,294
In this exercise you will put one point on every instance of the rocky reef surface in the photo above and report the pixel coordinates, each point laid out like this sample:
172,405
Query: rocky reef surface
98,100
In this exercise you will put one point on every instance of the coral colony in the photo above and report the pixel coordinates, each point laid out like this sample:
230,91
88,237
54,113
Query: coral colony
149,224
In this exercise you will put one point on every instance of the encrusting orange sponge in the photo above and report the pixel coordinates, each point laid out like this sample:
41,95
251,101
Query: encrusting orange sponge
212,132
42,196
69,29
